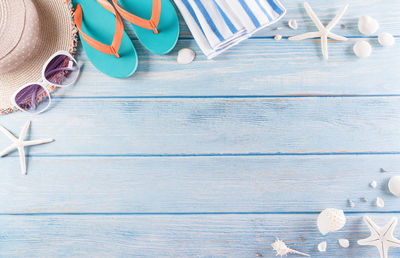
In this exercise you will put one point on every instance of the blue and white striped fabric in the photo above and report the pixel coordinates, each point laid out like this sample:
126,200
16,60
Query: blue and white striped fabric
218,25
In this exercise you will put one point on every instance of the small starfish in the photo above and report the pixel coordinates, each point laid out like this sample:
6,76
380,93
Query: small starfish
324,32
382,238
19,144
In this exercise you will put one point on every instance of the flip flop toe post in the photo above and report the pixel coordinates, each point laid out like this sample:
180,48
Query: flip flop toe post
103,38
155,22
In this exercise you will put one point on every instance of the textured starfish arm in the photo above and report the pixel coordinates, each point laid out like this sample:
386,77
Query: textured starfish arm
368,241
337,18
22,159
8,150
37,142
313,16
308,35
9,135
337,37
324,45
371,225
24,130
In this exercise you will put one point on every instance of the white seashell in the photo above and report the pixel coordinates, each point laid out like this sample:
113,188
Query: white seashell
331,220
367,25
351,203
362,49
386,39
278,37
380,203
322,246
185,56
293,24
344,243
373,184
283,250
394,185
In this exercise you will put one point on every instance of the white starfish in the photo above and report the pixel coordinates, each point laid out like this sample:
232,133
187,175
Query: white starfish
324,32
382,238
19,144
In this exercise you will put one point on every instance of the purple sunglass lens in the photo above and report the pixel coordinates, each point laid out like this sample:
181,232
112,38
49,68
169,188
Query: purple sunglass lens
33,98
62,70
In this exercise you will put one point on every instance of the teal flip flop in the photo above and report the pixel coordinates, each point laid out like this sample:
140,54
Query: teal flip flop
155,23
104,40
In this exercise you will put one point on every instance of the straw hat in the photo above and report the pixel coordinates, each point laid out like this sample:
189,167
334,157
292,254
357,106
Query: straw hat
30,32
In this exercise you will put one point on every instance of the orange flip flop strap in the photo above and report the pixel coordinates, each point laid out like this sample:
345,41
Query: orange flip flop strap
147,24
119,30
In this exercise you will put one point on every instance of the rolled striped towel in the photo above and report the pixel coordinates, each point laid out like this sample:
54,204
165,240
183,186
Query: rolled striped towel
218,25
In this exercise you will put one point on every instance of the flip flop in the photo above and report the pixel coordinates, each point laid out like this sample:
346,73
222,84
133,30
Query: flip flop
155,22
106,43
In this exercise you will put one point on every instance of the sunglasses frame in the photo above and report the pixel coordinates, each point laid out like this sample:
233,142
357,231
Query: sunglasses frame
44,82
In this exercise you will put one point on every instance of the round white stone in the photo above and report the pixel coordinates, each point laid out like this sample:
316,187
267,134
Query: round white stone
322,246
394,185
367,25
386,39
185,56
344,243
362,49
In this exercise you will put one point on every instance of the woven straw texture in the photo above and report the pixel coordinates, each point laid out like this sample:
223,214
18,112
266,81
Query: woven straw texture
57,32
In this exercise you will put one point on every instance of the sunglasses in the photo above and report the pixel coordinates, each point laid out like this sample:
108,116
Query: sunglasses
60,70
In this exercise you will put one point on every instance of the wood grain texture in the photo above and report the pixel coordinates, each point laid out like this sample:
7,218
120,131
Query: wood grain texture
255,67
197,184
208,126
216,158
176,236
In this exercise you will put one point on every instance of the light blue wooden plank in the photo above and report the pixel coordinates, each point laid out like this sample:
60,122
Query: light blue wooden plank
196,184
256,67
177,236
204,126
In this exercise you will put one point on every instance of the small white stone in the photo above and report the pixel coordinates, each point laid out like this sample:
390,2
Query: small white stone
380,203
373,184
394,185
367,25
322,246
185,56
386,39
362,49
278,37
344,243
293,24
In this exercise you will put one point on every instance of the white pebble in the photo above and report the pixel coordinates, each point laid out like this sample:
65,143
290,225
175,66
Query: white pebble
386,39
367,25
186,56
278,37
344,243
373,184
322,246
380,203
362,49
293,24
394,185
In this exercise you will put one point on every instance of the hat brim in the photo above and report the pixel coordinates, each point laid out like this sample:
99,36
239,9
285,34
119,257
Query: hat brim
57,32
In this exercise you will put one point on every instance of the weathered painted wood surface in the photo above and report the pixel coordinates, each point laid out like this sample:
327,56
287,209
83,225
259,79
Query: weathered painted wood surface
217,126
176,236
197,184
215,158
